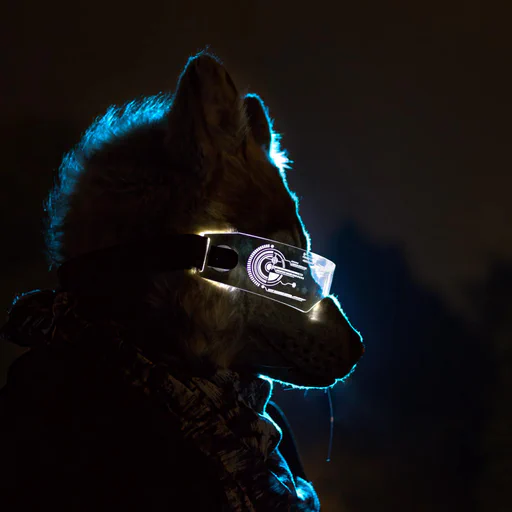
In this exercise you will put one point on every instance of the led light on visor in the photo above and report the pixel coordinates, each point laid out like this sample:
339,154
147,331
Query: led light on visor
273,270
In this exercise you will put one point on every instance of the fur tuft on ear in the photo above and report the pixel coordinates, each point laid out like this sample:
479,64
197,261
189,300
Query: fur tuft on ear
258,119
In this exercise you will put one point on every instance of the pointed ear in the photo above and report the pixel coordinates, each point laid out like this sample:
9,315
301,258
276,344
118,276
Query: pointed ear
207,107
258,120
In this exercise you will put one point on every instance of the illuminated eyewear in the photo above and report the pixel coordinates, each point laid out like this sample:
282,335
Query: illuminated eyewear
273,270
268,268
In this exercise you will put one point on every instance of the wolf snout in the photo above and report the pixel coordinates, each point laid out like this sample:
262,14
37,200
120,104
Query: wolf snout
351,341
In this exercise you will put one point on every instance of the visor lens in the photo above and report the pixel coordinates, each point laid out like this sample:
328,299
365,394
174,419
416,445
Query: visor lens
274,270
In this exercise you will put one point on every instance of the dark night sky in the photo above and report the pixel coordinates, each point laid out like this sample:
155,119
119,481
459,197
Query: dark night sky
395,116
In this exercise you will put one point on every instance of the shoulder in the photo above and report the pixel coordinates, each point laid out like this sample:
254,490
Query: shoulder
90,441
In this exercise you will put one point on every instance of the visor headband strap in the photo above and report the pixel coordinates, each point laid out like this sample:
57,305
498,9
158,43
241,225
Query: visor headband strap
176,252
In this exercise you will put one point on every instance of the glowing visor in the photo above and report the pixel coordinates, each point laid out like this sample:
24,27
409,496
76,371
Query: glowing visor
272,269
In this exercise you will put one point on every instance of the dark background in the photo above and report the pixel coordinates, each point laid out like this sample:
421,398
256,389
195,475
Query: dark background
396,117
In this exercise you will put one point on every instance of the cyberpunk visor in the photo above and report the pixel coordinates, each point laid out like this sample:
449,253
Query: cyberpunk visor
271,269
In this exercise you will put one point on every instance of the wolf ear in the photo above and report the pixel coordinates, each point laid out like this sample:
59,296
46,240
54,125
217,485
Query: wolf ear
258,120
207,107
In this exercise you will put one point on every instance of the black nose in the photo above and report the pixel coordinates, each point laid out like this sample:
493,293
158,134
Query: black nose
356,347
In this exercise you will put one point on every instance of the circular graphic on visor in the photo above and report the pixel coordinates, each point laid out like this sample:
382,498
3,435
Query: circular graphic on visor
263,263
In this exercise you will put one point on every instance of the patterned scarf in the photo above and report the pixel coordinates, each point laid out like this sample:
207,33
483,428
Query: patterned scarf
222,415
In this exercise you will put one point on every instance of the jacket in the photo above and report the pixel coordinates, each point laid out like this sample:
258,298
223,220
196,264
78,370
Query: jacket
79,435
